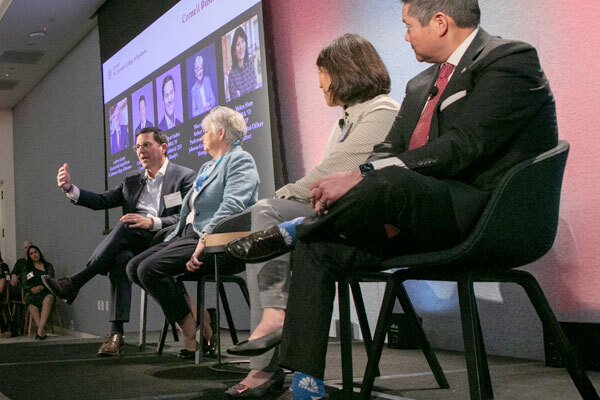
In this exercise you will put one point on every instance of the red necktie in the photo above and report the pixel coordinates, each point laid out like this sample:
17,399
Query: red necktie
421,132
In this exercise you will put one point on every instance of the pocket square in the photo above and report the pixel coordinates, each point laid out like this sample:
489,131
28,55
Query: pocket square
452,98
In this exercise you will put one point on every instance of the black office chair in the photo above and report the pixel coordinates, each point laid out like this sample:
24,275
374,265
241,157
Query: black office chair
236,223
352,282
159,237
517,227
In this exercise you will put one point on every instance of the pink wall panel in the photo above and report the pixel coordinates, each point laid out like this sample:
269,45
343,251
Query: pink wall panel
566,36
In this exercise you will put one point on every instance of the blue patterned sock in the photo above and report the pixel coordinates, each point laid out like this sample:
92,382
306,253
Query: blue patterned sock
306,387
288,230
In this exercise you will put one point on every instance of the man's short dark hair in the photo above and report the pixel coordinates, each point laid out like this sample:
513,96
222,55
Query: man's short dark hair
142,98
356,69
167,79
465,13
159,136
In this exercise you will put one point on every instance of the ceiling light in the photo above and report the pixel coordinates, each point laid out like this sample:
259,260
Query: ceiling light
37,34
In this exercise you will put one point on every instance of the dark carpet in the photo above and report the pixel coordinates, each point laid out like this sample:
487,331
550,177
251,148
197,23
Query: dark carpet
38,370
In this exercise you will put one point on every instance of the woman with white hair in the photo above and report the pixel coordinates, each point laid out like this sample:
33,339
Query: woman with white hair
225,185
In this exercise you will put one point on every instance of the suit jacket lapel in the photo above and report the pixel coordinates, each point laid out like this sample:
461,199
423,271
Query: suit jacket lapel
470,56
216,171
411,111
136,190
167,186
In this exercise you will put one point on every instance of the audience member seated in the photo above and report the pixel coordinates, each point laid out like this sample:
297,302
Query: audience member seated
424,187
150,200
39,300
367,115
4,289
16,291
225,185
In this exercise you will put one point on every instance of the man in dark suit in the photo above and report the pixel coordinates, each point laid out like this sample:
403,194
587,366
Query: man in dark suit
483,106
150,200
144,121
168,91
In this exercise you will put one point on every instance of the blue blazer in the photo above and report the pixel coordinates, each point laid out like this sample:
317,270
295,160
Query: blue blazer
229,189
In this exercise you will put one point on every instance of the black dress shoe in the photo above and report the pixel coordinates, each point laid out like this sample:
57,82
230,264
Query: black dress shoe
209,348
259,246
61,288
256,347
185,354
273,384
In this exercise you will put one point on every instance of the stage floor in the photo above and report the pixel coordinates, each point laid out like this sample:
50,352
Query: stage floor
65,367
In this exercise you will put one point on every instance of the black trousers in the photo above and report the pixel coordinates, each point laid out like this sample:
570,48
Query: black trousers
154,269
352,237
110,257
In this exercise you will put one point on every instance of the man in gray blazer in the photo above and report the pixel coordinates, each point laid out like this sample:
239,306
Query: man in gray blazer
482,107
150,199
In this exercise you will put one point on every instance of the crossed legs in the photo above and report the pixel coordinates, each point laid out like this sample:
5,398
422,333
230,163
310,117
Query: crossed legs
268,285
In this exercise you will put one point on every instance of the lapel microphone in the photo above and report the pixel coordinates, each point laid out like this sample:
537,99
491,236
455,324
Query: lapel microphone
341,123
143,181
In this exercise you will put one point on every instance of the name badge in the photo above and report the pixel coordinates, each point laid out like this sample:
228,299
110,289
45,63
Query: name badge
344,132
173,200
29,275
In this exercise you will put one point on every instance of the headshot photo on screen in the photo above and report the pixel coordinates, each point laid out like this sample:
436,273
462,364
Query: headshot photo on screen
169,102
142,108
119,134
241,59
201,79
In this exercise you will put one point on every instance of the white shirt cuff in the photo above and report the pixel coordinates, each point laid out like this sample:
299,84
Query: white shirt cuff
157,223
387,162
73,194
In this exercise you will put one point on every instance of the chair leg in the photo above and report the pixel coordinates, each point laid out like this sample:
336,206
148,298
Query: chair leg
480,385
174,331
363,321
57,314
345,337
200,318
244,288
28,322
383,323
544,311
225,302
163,336
417,329
143,316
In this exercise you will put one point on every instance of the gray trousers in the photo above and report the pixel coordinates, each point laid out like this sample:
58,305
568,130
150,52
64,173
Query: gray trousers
269,282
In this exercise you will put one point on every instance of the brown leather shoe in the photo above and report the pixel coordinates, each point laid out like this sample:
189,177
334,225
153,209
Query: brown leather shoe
61,287
113,345
259,246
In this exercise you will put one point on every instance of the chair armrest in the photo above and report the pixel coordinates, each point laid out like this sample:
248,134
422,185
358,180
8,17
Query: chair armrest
239,222
160,236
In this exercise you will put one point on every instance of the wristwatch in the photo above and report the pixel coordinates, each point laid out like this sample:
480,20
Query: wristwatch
365,168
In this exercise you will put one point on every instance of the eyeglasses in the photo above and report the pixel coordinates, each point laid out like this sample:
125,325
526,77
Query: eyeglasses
145,145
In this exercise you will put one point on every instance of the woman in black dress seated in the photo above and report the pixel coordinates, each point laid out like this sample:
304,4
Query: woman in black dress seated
38,299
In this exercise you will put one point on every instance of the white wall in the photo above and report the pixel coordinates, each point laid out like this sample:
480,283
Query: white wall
7,177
